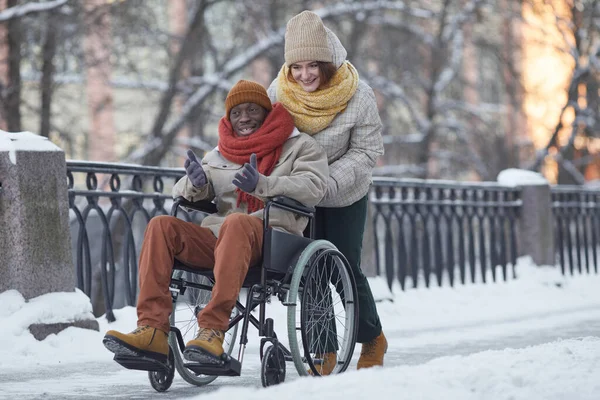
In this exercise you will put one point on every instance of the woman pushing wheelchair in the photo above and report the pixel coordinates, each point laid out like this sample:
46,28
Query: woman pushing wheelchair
327,99
260,154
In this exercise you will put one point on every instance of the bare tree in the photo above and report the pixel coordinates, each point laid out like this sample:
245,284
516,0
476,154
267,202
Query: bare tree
10,95
421,74
11,98
581,33
445,73
187,48
159,143
46,80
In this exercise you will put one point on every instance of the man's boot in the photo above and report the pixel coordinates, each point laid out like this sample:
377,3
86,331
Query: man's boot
144,341
372,352
206,348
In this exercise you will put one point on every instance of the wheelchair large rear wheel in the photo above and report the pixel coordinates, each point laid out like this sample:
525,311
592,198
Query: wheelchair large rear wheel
322,311
184,318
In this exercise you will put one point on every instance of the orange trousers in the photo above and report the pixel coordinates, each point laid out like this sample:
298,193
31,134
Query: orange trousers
238,247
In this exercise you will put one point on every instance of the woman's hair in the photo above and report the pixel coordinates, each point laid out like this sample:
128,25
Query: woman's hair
326,71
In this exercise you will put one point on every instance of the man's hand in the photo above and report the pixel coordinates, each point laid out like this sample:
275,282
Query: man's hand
194,170
247,178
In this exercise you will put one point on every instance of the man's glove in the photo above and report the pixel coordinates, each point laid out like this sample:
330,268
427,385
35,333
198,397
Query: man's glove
247,178
194,170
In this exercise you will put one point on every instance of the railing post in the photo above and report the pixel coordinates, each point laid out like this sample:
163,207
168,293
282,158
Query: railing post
35,243
368,262
535,230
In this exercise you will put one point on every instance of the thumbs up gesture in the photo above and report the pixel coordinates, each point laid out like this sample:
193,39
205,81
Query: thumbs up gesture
247,178
194,170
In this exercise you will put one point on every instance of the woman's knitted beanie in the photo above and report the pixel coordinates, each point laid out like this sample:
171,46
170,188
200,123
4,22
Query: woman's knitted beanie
306,39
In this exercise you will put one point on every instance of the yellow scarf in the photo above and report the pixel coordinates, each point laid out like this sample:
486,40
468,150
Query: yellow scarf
314,111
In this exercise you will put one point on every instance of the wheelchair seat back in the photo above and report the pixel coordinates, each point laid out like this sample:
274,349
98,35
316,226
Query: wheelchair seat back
281,251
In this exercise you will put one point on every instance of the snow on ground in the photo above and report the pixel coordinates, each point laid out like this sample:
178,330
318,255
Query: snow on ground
567,369
538,292
540,298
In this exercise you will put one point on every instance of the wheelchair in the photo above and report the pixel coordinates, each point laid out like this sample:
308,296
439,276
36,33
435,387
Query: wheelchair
311,279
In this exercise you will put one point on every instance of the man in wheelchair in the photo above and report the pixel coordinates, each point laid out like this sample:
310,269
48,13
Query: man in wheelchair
260,154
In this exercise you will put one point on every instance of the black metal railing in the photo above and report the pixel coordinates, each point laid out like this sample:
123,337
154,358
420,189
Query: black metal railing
576,212
424,232
111,205
433,229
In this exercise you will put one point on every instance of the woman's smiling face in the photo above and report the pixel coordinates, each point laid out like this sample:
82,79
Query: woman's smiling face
306,74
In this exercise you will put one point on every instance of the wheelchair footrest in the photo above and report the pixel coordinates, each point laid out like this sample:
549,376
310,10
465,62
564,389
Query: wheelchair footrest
231,367
141,363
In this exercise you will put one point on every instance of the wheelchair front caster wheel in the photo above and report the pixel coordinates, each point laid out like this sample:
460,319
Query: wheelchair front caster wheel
162,380
272,370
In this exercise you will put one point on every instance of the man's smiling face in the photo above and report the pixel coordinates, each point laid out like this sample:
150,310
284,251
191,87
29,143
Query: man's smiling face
246,118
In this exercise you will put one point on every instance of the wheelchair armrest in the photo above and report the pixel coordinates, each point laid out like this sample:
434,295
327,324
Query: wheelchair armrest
204,206
292,205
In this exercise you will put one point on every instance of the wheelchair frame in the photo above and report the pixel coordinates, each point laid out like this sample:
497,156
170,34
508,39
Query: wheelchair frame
273,359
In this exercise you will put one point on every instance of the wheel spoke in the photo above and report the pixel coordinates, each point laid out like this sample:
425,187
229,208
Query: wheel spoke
184,317
325,320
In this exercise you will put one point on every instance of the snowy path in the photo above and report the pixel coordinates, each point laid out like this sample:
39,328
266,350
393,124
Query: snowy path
444,343
101,380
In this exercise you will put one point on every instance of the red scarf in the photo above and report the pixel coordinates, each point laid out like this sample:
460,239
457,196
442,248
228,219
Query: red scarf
266,142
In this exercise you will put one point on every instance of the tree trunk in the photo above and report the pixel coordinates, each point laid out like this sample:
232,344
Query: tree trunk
12,102
188,46
46,84
98,43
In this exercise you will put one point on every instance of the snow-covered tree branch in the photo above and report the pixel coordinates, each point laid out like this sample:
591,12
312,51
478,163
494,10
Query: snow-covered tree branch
30,8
